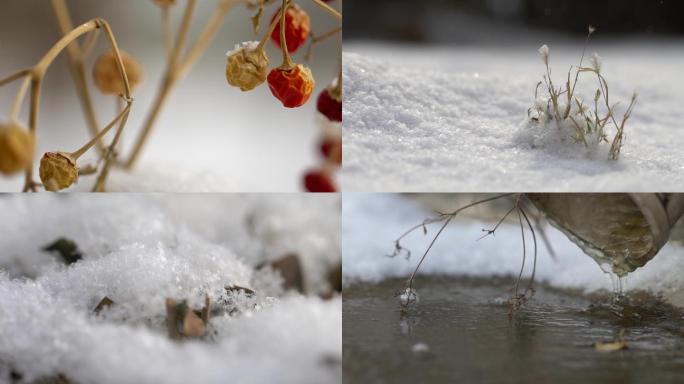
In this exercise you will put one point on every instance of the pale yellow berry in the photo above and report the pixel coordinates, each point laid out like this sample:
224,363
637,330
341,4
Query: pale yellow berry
107,77
58,171
247,66
16,148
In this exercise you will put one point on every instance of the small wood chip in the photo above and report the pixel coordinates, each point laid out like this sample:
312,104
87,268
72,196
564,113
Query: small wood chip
106,302
612,346
237,288
291,270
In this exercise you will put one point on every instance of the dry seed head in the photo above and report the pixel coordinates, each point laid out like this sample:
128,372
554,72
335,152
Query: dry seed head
544,52
107,77
58,171
596,62
247,66
16,148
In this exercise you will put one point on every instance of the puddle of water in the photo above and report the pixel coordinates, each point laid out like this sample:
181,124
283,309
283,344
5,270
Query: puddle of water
460,331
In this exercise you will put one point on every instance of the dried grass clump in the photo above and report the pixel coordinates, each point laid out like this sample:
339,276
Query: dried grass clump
564,109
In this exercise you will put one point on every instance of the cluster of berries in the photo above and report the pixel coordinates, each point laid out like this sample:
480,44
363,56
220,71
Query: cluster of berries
329,106
291,83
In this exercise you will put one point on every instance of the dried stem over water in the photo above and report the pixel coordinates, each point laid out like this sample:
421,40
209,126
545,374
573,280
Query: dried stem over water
518,299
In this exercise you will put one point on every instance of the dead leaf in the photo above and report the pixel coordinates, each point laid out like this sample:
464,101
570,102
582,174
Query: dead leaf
291,271
106,302
237,288
66,248
612,346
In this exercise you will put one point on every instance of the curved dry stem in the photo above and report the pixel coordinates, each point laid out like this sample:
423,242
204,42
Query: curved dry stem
287,60
19,100
271,28
167,31
328,9
77,67
79,152
318,39
446,217
205,37
176,69
37,73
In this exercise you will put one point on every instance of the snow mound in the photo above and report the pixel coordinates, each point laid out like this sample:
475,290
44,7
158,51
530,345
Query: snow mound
448,119
139,250
457,251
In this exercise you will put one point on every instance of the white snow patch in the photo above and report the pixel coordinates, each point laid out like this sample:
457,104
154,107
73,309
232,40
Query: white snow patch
448,118
139,250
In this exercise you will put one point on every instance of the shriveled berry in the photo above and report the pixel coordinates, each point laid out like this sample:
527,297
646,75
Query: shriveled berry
247,66
297,28
318,181
57,171
331,149
107,77
16,148
291,86
329,106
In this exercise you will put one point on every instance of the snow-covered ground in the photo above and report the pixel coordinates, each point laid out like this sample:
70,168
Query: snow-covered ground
141,249
371,223
452,118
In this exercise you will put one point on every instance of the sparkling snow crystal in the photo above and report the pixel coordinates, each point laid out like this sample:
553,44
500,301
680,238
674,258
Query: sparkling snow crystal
138,251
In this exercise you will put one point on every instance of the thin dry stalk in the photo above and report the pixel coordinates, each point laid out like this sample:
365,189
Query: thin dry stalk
35,77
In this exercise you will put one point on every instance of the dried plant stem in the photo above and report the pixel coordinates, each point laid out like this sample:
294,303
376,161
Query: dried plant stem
446,217
37,74
317,39
328,9
287,60
77,68
178,67
271,28
167,30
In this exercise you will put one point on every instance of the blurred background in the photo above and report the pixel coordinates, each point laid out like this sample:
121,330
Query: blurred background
497,21
210,136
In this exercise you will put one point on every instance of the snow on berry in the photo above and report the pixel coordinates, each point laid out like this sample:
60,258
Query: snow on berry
246,66
297,28
292,86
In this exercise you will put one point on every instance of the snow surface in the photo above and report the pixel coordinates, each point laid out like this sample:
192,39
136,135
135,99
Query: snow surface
371,223
452,118
139,250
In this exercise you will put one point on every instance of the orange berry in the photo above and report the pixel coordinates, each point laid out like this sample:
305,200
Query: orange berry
292,86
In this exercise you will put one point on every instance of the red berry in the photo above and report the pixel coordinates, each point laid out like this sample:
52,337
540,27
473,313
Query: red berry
331,149
318,181
329,106
291,86
297,27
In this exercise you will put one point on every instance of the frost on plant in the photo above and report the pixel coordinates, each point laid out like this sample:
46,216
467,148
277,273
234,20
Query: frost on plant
590,123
